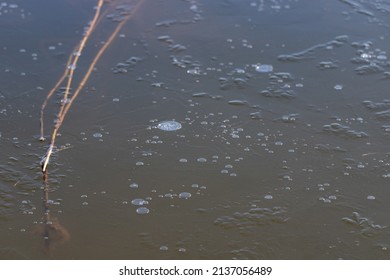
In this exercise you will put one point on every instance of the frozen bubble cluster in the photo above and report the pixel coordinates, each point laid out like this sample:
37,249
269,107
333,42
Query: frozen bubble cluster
120,13
169,126
307,53
247,221
345,131
126,66
363,226
280,86
380,110
370,61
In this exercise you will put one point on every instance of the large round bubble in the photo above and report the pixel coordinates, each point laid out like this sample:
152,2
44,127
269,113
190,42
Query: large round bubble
169,125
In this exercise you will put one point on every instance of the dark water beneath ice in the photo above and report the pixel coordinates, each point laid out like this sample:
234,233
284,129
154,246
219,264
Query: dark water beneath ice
283,150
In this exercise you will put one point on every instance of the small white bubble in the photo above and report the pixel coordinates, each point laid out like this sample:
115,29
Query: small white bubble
142,210
338,87
168,195
268,197
139,201
202,160
133,185
371,197
163,248
264,68
185,195
139,163
381,57
183,160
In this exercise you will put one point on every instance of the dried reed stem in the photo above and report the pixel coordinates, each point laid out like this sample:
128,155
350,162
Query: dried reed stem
70,67
70,70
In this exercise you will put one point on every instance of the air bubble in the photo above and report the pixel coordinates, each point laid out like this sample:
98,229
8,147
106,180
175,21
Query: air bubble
264,68
381,57
202,160
169,126
139,201
142,210
185,195
133,185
